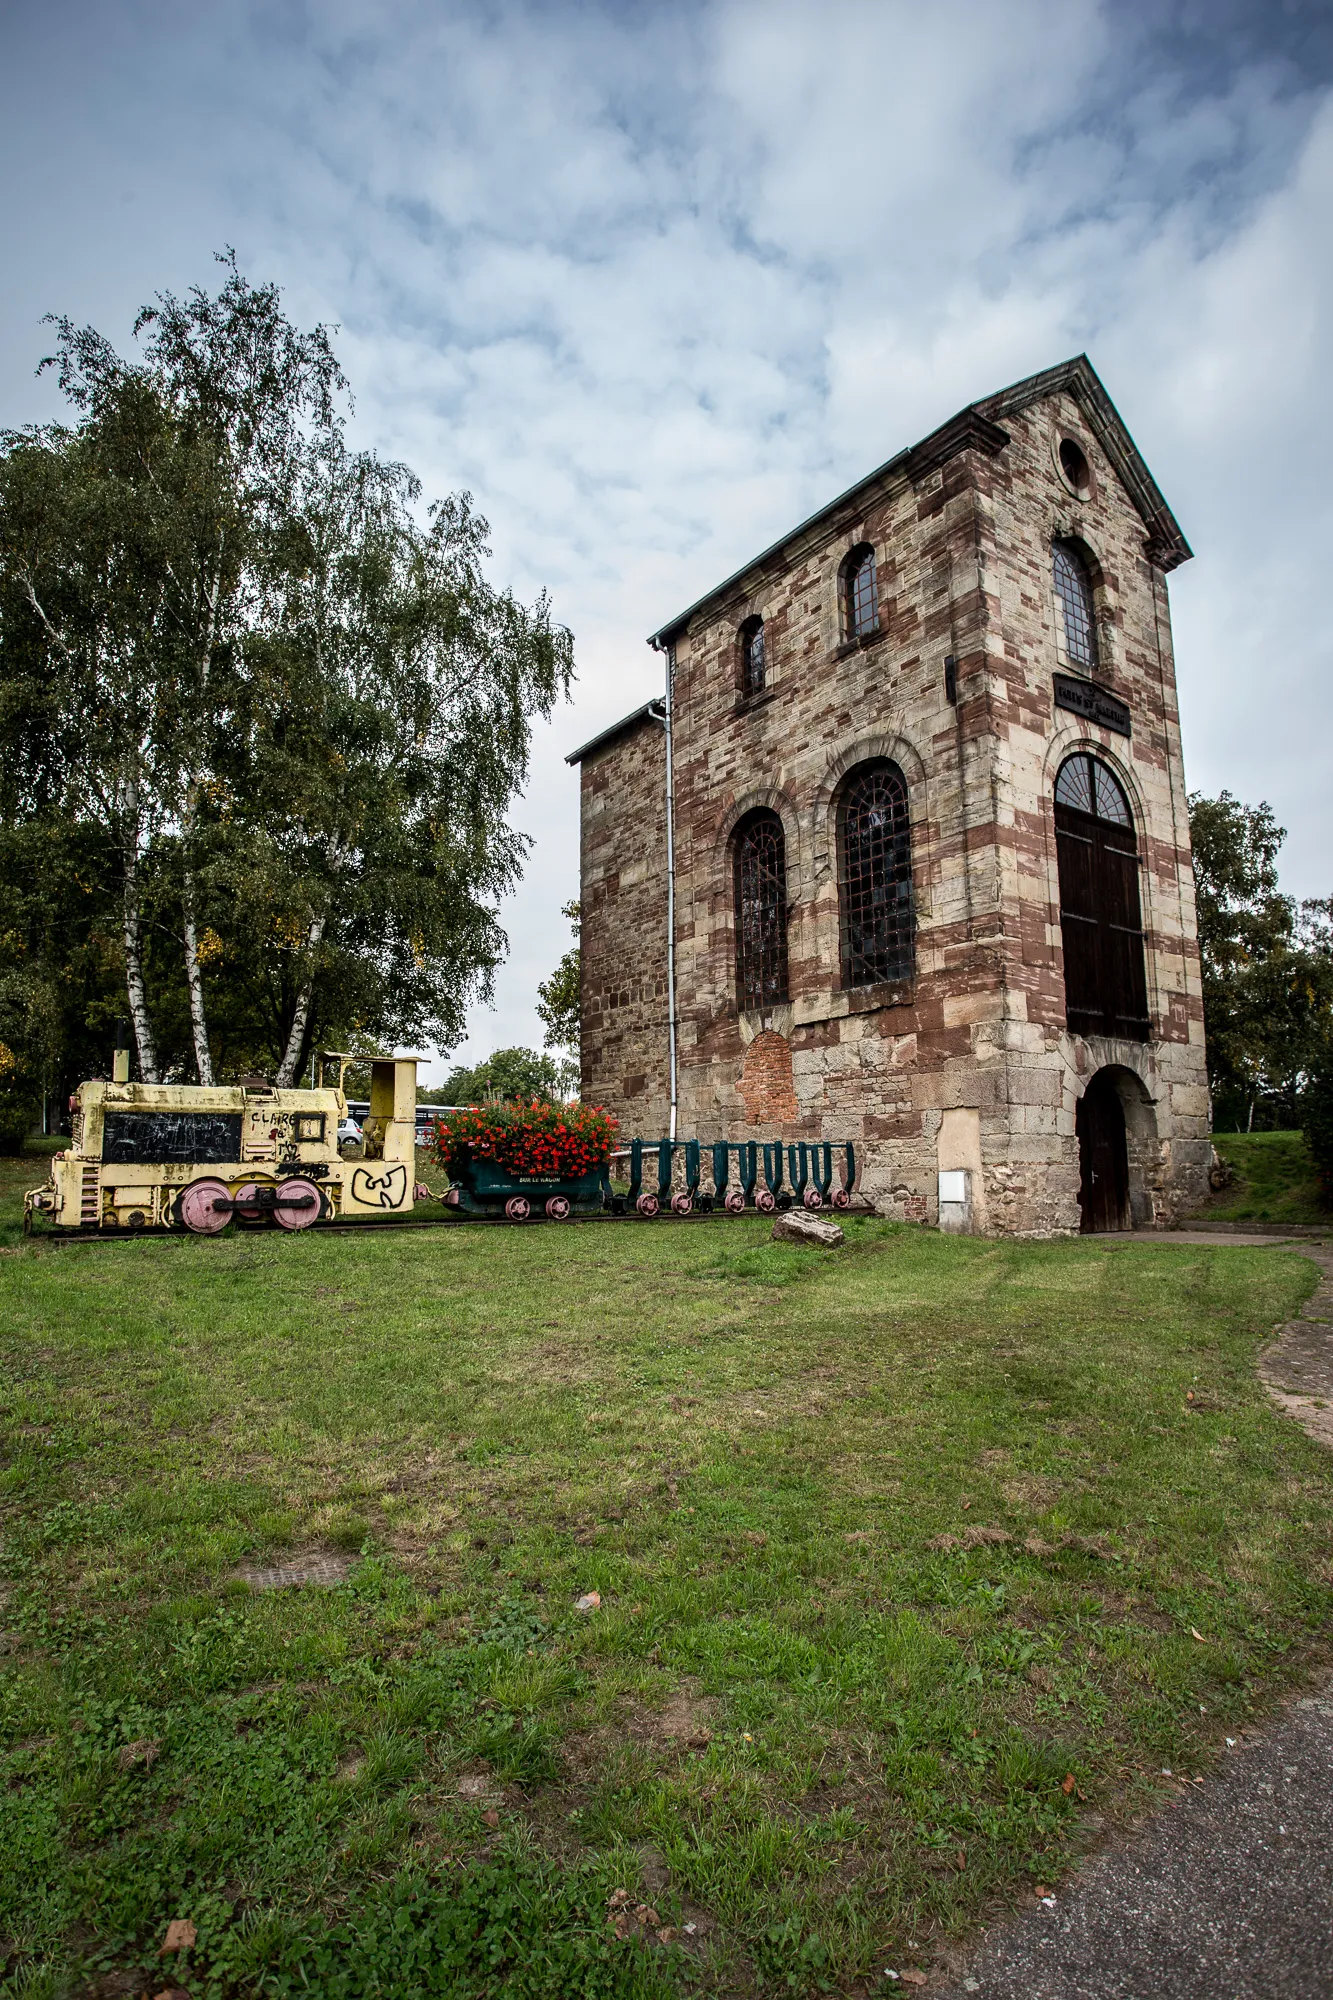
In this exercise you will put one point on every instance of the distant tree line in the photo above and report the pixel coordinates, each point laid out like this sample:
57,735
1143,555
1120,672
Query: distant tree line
550,1074
1267,964
509,1076
559,1003
262,716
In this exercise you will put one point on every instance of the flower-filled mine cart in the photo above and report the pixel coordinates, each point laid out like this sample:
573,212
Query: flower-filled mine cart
514,1159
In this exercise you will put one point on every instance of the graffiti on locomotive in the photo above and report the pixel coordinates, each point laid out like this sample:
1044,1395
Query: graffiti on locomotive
163,1156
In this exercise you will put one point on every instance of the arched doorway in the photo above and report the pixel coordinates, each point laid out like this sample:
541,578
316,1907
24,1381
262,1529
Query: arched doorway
1103,1157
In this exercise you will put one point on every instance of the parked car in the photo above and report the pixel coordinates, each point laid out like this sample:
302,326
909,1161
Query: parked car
349,1132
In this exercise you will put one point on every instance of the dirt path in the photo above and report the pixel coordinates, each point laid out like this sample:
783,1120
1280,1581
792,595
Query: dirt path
1228,1895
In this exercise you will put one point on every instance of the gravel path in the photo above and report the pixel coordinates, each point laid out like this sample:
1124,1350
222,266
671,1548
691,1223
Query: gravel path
1227,1896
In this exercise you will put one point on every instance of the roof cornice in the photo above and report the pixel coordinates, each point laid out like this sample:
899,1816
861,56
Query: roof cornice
651,711
1078,378
968,431
979,427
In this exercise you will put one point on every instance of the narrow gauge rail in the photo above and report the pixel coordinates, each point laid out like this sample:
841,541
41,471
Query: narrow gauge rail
423,1225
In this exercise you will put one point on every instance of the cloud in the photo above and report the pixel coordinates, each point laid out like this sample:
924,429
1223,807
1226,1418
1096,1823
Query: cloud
654,283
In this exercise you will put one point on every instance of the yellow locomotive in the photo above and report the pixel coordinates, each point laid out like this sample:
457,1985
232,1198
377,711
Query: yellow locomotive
184,1157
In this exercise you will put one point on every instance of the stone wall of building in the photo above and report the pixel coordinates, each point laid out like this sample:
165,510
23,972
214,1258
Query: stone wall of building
1023,504
623,930
969,1064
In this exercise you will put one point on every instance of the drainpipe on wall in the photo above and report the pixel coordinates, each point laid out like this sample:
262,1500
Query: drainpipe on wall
664,716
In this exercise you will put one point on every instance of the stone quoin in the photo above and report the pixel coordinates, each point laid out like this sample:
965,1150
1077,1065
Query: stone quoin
933,879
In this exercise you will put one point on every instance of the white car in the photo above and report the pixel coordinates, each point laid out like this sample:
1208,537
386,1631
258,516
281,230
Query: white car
349,1132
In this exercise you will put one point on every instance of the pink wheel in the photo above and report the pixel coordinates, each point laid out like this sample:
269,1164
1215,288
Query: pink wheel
647,1205
765,1201
518,1208
250,1212
298,1204
557,1208
199,1209
735,1202
682,1203
813,1198
841,1198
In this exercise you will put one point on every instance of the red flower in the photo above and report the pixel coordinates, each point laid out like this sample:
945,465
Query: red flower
555,1141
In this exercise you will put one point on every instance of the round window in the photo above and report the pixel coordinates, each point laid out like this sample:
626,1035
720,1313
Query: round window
1075,467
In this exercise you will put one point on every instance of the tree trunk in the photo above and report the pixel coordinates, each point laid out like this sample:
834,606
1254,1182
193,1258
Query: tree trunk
134,986
1249,1122
198,1023
291,1055
304,1065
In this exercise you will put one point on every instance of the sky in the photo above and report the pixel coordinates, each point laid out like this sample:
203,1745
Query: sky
654,282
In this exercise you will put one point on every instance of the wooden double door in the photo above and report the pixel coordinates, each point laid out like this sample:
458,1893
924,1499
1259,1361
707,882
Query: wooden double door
1101,919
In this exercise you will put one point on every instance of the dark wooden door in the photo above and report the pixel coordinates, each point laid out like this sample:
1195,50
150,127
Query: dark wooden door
1101,921
1103,1158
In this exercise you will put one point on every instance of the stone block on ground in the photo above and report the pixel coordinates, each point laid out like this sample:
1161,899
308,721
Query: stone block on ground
803,1225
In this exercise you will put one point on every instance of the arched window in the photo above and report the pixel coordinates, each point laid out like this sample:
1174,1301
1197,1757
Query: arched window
861,589
761,912
752,656
875,876
1073,587
1101,920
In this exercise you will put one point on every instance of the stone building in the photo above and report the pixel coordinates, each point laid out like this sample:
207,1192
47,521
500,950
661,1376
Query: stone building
933,889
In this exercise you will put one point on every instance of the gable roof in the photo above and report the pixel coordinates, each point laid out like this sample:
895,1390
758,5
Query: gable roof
980,427
651,711
1078,378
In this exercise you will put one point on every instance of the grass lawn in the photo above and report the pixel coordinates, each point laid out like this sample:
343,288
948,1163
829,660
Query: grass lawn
917,1563
1275,1179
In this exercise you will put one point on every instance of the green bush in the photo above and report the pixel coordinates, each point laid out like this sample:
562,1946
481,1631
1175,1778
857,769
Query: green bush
522,1076
1316,1104
20,1107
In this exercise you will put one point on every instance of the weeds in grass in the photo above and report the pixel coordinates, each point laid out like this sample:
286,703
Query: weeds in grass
900,1555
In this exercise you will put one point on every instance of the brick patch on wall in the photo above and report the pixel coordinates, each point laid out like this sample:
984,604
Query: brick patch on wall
767,1087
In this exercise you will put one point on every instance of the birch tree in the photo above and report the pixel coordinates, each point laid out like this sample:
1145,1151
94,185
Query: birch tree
85,726
257,660
241,391
393,701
